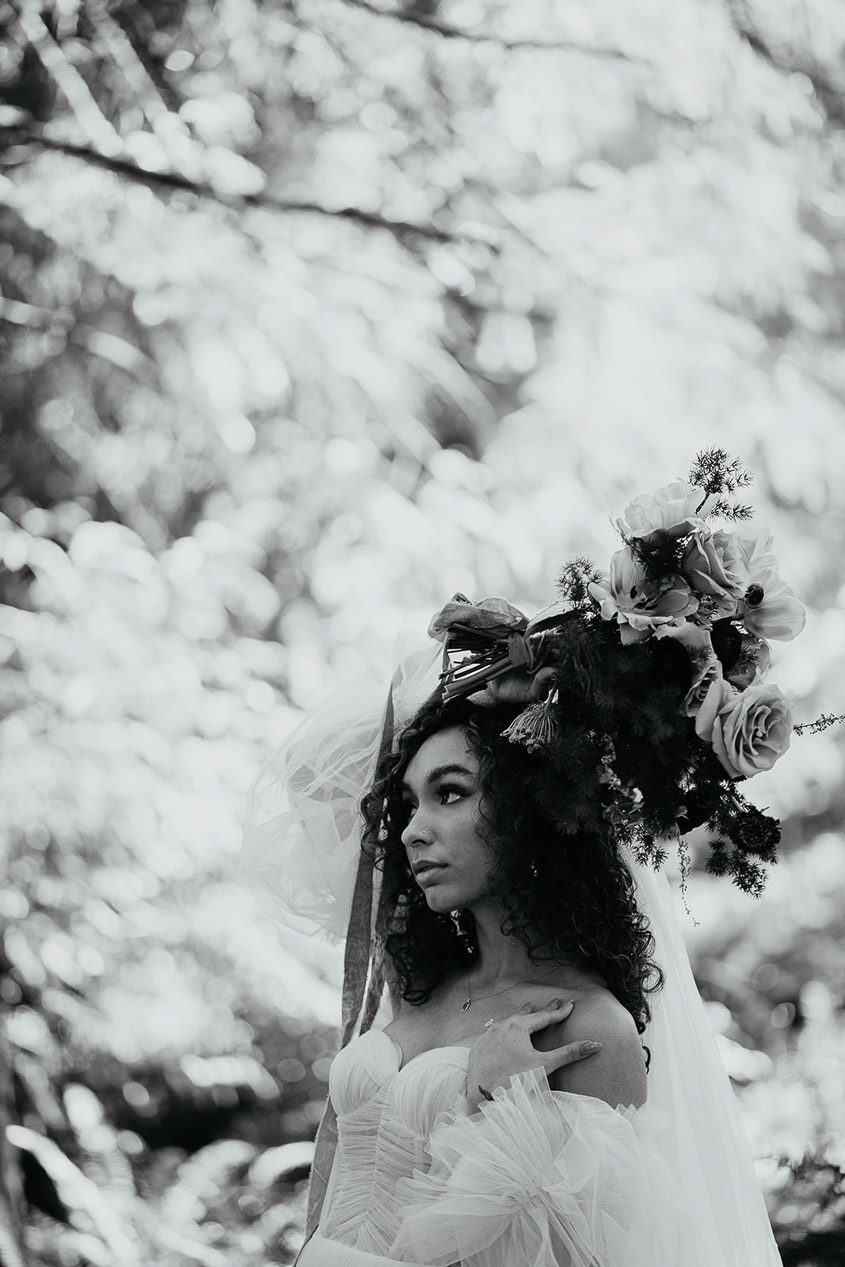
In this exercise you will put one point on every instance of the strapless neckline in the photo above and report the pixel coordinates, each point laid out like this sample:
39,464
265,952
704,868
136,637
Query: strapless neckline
401,1063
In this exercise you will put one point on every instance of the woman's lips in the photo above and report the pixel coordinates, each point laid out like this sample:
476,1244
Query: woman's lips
425,870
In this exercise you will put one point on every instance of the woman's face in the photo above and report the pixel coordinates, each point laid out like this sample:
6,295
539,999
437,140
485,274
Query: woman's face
443,841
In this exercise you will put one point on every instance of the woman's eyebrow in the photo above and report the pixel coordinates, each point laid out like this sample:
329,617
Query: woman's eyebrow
434,775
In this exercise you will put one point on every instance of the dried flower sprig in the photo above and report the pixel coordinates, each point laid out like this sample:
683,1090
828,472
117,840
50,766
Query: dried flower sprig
824,722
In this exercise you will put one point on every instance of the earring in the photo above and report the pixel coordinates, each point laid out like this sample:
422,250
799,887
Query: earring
533,869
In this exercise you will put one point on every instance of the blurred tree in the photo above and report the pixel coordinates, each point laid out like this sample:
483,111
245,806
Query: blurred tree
314,312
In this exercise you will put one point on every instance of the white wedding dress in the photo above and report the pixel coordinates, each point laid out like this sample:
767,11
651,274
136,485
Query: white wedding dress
537,1178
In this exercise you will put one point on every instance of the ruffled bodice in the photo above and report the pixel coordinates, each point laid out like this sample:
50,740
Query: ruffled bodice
537,1177
385,1117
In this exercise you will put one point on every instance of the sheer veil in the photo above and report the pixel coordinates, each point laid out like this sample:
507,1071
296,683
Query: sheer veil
704,1143
303,861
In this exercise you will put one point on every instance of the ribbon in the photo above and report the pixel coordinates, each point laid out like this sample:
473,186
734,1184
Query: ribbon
363,962
492,642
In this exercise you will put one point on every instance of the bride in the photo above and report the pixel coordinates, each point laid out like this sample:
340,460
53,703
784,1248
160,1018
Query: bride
537,915
546,1091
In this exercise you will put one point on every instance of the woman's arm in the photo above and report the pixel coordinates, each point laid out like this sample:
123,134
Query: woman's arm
507,1048
617,1073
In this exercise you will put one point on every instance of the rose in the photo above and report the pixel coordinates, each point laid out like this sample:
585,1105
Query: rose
714,566
640,606
493,615
749,730
778,614
675,509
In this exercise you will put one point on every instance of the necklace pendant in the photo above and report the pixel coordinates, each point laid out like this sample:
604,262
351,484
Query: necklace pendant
465,1006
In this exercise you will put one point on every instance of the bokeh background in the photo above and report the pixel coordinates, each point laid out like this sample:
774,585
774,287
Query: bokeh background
315,312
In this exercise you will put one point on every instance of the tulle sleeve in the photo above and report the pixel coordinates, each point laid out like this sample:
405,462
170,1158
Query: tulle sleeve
541,1178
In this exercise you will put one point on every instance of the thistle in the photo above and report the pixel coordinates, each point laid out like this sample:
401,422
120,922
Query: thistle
535,727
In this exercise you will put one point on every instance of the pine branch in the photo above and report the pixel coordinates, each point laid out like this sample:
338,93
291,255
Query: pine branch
738,512
449,32
717,473
574,581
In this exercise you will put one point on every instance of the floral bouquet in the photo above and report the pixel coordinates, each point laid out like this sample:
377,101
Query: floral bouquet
658,702
719,594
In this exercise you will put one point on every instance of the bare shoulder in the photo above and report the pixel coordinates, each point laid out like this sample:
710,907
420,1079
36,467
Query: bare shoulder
617,1073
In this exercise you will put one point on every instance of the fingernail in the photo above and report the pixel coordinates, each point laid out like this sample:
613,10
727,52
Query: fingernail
589,1048
555,1003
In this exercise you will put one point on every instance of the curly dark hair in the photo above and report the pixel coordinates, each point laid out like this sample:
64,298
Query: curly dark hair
565,889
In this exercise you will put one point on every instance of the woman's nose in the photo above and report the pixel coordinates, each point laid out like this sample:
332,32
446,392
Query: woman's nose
416,832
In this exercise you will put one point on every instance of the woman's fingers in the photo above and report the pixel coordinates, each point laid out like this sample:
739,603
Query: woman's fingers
514,687
551,1015
570,1054
540,683
517,686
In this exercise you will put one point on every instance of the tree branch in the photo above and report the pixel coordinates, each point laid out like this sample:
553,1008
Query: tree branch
449,32
830,97
171,180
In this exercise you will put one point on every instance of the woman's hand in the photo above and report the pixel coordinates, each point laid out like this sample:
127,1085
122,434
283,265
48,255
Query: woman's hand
505,1049
517,686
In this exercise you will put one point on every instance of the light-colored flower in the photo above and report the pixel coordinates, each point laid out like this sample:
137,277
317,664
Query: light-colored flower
675,509
777,613
780,615
755,548
748,730
714,566
639,606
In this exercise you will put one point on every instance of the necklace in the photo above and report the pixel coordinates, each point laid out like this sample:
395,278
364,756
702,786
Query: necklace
467,1004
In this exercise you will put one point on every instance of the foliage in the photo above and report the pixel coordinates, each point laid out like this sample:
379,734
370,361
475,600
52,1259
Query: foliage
716,472
315,313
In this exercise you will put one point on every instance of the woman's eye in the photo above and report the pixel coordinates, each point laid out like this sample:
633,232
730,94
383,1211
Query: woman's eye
448,795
